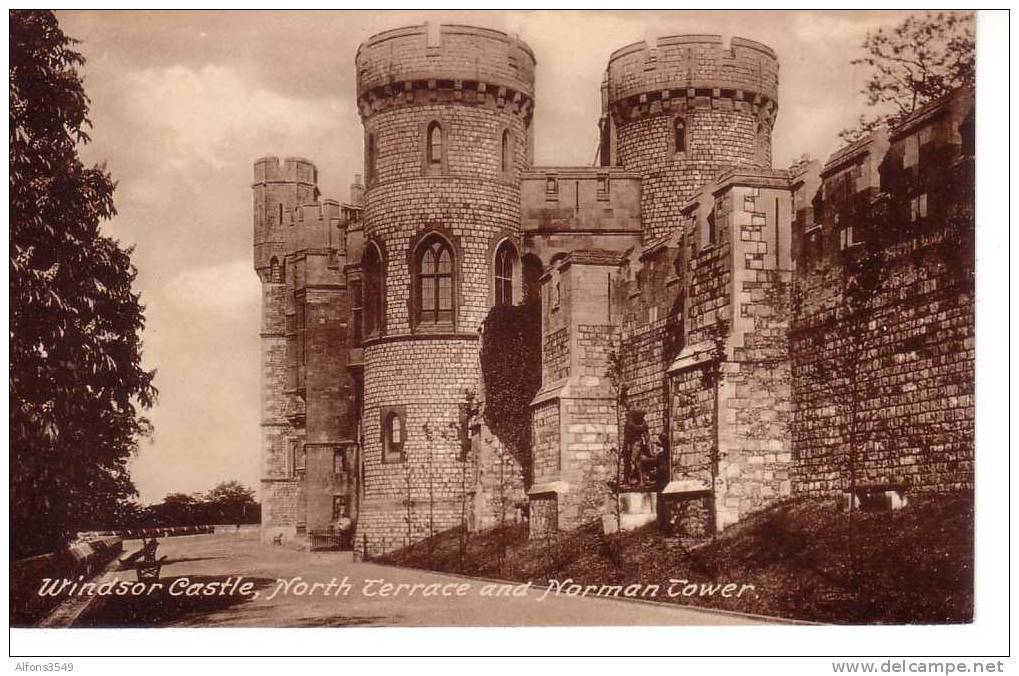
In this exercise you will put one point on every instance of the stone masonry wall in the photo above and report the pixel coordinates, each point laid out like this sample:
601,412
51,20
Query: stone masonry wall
755,462
718,136
591,431
649,293
545,428
915,401
279,489
555,356
473,215
730,386
428,379
499,495
697,61
574,417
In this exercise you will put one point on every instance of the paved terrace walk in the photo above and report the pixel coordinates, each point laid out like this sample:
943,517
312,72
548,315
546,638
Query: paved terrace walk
204,559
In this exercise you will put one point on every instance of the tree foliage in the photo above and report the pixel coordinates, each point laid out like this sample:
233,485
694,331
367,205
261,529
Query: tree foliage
511,368
76,381
923,58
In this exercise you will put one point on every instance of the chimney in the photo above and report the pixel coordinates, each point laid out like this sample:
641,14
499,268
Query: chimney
357,191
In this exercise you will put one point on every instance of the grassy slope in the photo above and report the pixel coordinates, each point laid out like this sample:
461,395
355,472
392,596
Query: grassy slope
805,558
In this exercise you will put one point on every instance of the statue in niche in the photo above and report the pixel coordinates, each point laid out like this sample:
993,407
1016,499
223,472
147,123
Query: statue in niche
653,464
636,445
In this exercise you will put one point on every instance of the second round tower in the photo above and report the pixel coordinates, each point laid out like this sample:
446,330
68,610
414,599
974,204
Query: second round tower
682,110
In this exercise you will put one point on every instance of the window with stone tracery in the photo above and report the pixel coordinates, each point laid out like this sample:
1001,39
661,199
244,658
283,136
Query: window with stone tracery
434,276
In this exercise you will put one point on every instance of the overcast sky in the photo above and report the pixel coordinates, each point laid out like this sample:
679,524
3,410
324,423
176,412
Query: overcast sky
183,102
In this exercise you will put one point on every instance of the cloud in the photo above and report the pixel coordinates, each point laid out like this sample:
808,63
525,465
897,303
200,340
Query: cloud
202,112
225,288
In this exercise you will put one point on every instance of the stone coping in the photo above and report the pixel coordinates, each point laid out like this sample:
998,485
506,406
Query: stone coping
740,176
927,112
874,141
692,355
566,388
557,487
685,486
534,173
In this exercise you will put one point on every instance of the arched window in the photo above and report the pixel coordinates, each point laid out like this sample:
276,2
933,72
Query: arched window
507,151
679,132
434,272
505,261
434,144
275,276
369,168
374,285
393,435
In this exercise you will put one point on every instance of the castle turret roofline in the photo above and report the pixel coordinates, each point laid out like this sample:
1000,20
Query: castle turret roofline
691,39
449,28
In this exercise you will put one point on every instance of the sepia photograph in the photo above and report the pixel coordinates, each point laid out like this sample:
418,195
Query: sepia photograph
520,318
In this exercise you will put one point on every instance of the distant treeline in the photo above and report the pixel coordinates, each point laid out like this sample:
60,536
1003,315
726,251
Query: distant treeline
228,502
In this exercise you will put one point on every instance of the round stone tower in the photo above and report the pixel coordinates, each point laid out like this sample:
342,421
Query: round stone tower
684,109
447,122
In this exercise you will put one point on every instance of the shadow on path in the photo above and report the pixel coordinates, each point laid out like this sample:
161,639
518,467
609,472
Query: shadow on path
161,608
344,621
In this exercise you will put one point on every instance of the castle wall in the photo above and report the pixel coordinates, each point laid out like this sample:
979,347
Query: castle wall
499,490
755,462
718,136
574,413
884,396
580,200
431,52
278,486
729,387
650,296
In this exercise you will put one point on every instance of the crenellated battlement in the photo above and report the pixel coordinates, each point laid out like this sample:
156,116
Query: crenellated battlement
426,63
293,170
682,69
280,190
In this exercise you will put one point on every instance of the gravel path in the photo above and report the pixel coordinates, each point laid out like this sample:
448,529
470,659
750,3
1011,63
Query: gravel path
234,580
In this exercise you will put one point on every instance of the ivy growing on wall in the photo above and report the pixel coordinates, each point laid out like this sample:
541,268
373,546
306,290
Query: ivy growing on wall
511,369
